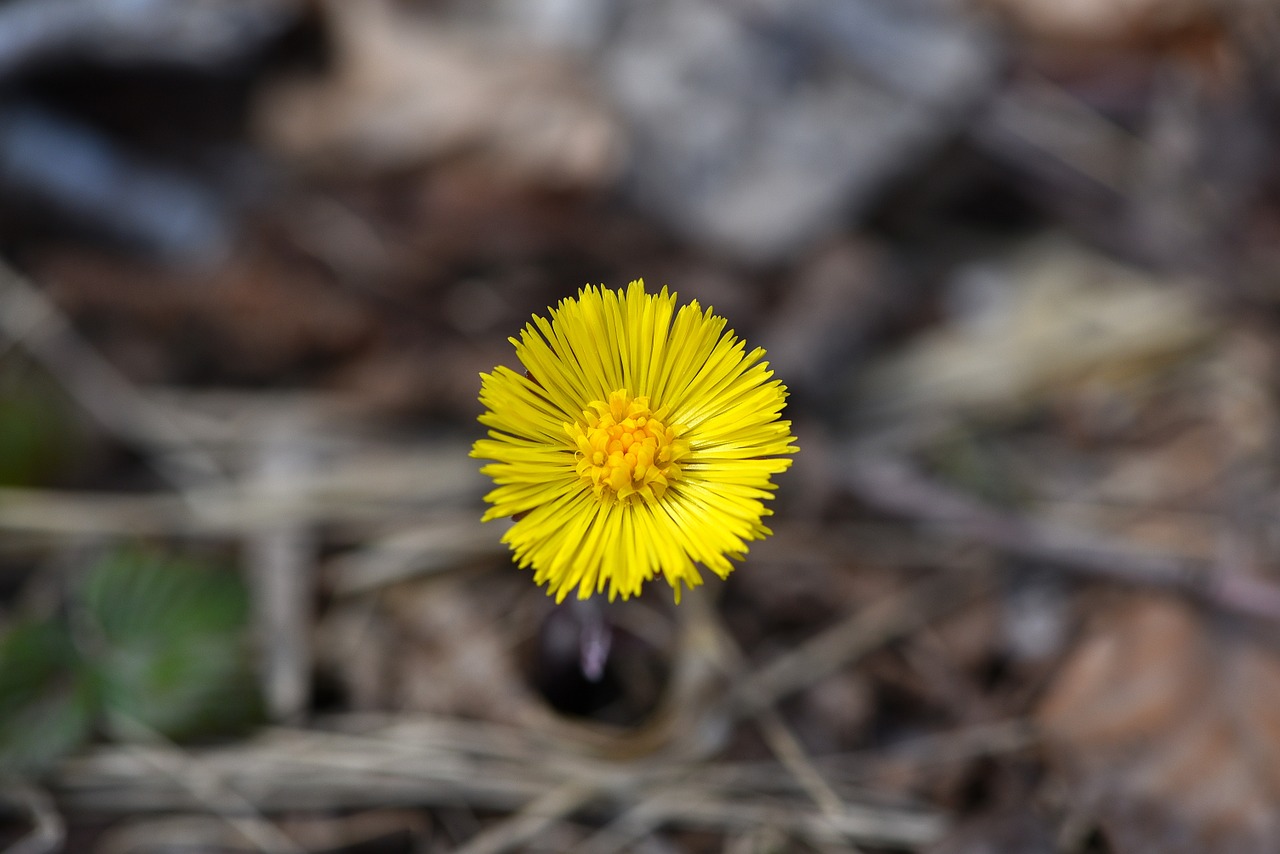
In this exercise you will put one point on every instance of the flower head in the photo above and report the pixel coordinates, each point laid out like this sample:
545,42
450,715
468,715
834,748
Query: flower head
641,439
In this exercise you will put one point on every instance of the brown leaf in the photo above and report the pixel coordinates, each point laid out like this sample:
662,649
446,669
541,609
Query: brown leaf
407,91
1102,21
441,645
1172,726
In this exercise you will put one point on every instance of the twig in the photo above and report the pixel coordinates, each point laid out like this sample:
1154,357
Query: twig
785,746
754,695
530,820
429,545
245,510
697,808
29,318
854,637
1046,119
209,788
281,563
636,822
892,485
846,770
449,762
48,832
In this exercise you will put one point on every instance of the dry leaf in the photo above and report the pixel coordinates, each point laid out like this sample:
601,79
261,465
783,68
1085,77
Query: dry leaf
437,645
405,91
1100,20
1171,725
1053,315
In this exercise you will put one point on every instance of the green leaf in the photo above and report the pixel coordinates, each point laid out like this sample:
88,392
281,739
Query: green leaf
38,429
47,700
170,646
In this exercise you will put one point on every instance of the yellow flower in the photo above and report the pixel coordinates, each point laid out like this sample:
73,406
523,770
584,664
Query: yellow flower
640,440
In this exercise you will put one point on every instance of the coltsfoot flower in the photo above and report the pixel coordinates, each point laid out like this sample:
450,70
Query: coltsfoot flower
640,440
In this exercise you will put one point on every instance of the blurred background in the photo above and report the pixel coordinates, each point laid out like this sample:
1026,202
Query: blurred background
1017,261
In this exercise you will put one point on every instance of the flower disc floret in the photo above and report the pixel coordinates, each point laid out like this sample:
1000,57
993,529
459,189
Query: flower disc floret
625,451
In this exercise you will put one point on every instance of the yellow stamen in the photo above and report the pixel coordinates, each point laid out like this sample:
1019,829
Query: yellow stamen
625,451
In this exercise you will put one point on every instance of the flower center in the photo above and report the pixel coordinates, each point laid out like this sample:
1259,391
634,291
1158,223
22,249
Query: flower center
625,451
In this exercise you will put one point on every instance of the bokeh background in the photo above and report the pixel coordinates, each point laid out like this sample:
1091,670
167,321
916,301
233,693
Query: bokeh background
1017,260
